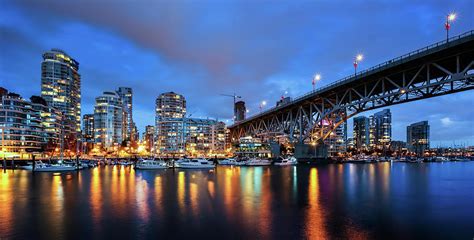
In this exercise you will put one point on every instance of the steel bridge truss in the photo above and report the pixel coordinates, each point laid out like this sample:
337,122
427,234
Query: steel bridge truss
314,119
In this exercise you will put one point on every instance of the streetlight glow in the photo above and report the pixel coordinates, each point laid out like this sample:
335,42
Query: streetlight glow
264,103
317,77
359,57
452,16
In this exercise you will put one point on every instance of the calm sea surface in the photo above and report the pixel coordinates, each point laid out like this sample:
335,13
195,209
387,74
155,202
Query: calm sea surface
356,201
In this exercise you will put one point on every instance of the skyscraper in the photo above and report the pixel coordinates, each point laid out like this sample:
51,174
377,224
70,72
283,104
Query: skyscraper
418,137
88,127
61,87
169,121
361,132
240,111
108,120
380,129
126,95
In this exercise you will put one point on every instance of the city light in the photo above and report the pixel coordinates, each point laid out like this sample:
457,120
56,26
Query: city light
316,78
449,19
357,59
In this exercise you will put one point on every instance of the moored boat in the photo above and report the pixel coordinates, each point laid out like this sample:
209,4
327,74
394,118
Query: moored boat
199,163
150,164
289,161
258,162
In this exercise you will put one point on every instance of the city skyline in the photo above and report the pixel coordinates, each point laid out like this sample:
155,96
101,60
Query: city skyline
160,68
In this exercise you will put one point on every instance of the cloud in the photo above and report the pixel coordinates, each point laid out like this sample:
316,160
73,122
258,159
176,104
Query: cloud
446,121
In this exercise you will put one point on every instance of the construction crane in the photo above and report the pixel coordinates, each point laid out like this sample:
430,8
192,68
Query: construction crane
234,96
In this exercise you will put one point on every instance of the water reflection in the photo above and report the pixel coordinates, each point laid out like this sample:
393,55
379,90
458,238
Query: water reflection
314,223
343,201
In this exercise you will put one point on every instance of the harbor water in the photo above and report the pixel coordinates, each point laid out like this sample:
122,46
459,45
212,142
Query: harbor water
343,201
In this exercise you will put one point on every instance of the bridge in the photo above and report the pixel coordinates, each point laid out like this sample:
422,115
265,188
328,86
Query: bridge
441,68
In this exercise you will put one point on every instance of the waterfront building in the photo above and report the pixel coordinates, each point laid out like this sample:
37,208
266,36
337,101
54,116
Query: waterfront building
169,123
61,86
361,132
204,137
27,127
380,129
239,111
337,140
126,95
418,137
88,132
51,124
148,137
108,120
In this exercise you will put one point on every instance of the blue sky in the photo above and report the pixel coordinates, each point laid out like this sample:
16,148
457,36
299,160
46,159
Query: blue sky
257,49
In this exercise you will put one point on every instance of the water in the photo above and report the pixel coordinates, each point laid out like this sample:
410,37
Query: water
357,201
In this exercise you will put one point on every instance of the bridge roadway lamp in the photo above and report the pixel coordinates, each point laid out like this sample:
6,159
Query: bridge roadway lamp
449,19
316,78
357,60
262,104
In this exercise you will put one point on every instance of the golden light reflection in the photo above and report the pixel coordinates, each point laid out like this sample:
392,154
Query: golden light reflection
96,195
56,206
6,200
314,224
193,194
159,194
181,191
141,194
211,188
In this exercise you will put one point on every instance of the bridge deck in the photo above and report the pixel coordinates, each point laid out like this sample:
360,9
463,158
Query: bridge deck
465,40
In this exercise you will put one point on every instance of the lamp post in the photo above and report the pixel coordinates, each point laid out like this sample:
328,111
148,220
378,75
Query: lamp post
449,18
316,78
357,59
262,104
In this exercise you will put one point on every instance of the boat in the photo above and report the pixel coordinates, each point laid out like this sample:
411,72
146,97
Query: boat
197,163
150,164
258,162
227,161
286,161
44,167
440,159
462,159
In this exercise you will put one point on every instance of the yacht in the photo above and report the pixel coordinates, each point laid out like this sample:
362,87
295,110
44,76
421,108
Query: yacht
43,167
227,161
286,161
150,164
258,162
440,159
198,163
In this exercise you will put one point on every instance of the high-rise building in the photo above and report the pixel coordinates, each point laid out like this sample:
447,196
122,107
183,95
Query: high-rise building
169,123
337,140
418,137
27,127
88,127
148,137
380,129
61,87
126,95
204,136
240,111
108,120
361,132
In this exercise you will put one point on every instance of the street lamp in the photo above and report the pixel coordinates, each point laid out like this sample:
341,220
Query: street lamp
449,18
316,78
357,59
262,104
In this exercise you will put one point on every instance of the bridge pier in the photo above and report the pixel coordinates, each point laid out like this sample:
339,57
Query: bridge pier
311,153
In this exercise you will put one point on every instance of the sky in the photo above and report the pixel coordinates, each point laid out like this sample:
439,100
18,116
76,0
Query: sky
256,49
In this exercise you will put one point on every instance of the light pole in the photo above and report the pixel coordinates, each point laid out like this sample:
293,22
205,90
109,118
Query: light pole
449,18
262,104
316,78
357,59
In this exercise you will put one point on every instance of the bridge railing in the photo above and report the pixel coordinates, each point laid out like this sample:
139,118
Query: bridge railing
380,66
